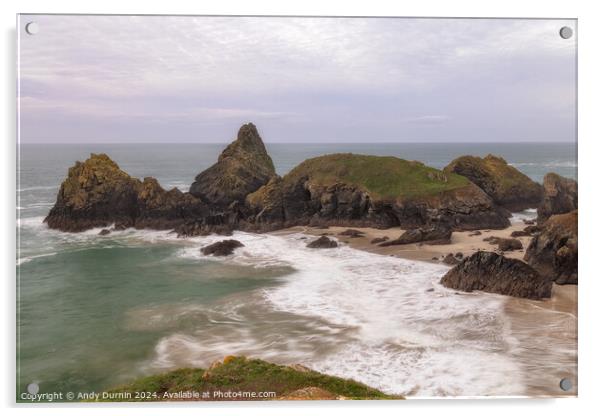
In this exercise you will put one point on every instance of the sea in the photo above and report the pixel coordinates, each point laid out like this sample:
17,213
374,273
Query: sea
95,312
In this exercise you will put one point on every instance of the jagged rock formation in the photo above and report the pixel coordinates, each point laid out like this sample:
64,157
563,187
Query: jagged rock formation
559,197
242,191
553,252
491,272
383,192
435,234
506,185
161,209
243,167
221,248
97,193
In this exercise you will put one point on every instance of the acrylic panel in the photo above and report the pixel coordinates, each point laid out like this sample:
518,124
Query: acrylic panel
295,208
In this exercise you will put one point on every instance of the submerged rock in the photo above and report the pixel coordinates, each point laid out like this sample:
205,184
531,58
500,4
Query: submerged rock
323,242
437,234
104,231
222,248
553,252
242,168
491,272
560,196
505,184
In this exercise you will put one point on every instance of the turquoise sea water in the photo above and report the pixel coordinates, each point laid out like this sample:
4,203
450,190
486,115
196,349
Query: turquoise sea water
96,311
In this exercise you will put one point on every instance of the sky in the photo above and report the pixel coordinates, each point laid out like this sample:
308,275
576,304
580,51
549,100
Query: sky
197,79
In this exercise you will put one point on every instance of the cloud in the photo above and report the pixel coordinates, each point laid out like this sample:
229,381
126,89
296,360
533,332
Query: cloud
198,75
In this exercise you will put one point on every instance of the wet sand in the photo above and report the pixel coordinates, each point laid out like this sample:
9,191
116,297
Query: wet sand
534,325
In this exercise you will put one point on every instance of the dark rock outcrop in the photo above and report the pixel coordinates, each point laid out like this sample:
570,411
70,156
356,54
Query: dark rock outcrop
97,193
532,229
437,234
242,168
506,185
350,232
322,242
381,192
553,252
222,248
509,244
379,240
491,272
163,210
451,260
559,197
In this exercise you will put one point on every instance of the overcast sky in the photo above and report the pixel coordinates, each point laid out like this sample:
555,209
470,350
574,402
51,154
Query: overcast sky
197,79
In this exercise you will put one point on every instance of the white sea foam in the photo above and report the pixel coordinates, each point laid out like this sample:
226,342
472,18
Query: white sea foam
37,188
528,214
407,339
27,259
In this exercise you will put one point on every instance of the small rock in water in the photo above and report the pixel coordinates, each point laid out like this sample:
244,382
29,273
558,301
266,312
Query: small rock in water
529,222
430,290
104,231
323,242
491,272
477,232
459,256
222,248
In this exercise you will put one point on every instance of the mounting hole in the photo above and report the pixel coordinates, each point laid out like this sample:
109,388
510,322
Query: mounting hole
566,32
32,28
33,388
566,384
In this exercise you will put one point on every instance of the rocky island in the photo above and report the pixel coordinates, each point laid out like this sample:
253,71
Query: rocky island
242,191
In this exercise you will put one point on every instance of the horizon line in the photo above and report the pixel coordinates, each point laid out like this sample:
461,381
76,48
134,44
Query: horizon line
342,143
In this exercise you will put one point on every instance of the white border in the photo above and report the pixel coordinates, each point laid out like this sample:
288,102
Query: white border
590,34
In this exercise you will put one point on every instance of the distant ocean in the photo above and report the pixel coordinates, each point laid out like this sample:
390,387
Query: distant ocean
95,312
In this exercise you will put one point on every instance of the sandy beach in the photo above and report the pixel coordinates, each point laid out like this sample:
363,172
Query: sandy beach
544,366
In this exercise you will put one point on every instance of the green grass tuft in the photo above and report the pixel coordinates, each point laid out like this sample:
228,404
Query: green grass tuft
247,375
384,177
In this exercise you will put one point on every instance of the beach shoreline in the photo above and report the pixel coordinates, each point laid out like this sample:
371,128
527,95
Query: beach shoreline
531,322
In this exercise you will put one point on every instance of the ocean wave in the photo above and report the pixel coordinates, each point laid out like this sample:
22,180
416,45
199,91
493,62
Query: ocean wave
37,188
528,214
406,338
27,259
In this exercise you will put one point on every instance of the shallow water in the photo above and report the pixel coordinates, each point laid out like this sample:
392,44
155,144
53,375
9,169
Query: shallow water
97,311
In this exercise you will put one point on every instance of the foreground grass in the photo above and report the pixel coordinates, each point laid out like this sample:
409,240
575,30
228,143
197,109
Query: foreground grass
239,374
